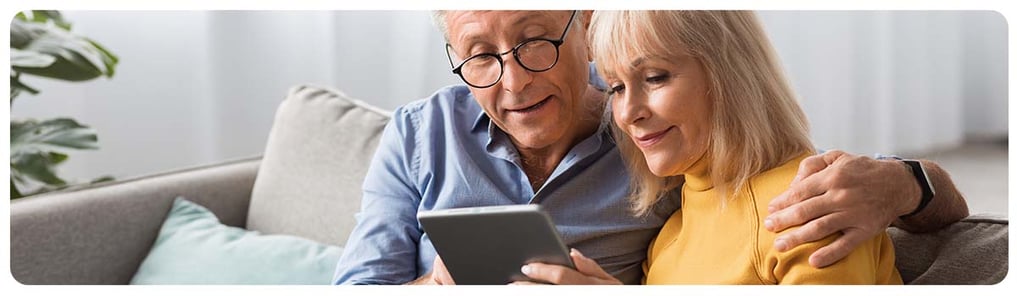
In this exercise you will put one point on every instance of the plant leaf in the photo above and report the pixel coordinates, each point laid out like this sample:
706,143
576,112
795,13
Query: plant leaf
30,59
16,83
15,193
39,166
44,16
32,143
29,136
23,32
17,87
55,157
105,178
76,58
108,58
43,45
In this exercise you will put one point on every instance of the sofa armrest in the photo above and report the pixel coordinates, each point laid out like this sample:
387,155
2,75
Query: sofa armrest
971,251
100,234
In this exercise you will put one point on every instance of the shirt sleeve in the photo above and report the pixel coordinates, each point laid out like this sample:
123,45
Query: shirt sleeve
383,246
878,156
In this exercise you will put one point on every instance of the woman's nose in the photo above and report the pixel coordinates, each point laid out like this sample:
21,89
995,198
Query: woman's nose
630,108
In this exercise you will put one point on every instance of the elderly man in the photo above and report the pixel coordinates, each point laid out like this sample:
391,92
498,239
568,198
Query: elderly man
527,129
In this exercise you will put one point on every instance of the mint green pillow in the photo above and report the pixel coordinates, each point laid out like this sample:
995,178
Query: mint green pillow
193,247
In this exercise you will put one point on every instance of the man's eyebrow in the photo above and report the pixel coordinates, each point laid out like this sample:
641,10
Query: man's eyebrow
470,38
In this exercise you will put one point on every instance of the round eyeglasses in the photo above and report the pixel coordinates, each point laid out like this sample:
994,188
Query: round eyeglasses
534,54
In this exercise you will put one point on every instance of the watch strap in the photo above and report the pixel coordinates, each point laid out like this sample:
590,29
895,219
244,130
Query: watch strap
923,182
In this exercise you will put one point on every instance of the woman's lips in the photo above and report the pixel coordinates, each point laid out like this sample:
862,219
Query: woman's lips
650,139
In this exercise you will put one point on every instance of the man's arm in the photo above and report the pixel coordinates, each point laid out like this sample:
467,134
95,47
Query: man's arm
947,205
382,249
858,196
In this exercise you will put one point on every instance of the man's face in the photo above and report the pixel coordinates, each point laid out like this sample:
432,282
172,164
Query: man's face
536,109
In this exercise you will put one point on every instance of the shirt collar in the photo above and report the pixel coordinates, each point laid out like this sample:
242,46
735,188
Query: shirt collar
481,119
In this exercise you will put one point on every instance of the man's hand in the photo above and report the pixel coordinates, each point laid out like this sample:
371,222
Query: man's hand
587,272
839,192
438,276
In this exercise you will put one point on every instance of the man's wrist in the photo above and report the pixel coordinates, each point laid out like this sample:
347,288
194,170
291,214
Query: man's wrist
922,180
911,191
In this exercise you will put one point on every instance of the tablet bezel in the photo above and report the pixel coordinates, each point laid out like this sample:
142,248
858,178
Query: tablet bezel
488,245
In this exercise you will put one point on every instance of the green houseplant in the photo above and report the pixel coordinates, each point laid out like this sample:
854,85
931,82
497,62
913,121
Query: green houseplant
43,45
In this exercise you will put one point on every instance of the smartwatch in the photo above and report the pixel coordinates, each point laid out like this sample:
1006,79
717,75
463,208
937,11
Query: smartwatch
923,181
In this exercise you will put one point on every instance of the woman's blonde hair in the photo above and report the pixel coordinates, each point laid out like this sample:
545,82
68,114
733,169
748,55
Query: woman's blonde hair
757,123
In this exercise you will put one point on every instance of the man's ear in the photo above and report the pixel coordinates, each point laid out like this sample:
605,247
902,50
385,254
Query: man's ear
587,17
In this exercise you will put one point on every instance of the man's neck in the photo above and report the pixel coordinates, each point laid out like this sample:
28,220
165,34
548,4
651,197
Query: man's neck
539,163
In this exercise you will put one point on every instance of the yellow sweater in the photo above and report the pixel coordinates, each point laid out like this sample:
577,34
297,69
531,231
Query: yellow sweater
705,243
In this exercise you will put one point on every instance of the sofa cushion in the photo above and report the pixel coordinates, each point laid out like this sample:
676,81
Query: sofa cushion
972,251
193,247
318,151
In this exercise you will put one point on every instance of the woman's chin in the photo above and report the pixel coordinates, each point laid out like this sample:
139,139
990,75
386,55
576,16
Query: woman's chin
660,171
661,167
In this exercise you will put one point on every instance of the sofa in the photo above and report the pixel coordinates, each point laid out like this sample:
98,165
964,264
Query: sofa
307,185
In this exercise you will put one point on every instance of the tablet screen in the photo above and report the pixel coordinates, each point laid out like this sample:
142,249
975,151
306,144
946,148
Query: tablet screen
488,245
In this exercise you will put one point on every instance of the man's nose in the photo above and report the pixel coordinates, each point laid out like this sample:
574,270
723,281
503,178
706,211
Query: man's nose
515,78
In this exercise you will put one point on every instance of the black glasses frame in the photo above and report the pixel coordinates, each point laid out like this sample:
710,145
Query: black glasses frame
458,70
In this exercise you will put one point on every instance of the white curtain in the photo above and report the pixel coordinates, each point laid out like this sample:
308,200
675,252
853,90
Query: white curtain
197,87
904,82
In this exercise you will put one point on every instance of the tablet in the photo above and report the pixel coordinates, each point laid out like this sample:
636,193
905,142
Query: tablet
488,245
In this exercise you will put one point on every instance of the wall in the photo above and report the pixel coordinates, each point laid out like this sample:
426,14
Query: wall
197,87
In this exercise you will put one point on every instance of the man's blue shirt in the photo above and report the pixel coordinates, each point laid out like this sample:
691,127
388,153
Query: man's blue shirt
444,152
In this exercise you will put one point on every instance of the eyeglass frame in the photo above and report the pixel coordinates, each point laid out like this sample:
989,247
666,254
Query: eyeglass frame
515,54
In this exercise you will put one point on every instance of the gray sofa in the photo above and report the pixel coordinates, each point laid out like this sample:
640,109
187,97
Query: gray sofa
307,184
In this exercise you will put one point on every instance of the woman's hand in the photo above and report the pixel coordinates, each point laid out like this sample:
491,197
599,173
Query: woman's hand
587,272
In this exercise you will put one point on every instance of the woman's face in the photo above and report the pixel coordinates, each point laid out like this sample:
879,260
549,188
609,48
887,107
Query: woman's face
661,103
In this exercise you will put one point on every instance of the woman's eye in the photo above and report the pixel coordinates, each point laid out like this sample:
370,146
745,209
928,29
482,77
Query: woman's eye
658,78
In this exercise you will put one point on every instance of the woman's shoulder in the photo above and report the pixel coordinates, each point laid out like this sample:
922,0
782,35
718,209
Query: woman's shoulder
769,184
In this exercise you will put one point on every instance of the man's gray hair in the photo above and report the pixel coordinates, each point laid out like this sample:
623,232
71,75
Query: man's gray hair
438,17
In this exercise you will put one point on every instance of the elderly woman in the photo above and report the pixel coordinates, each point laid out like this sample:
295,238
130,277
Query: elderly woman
700,95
